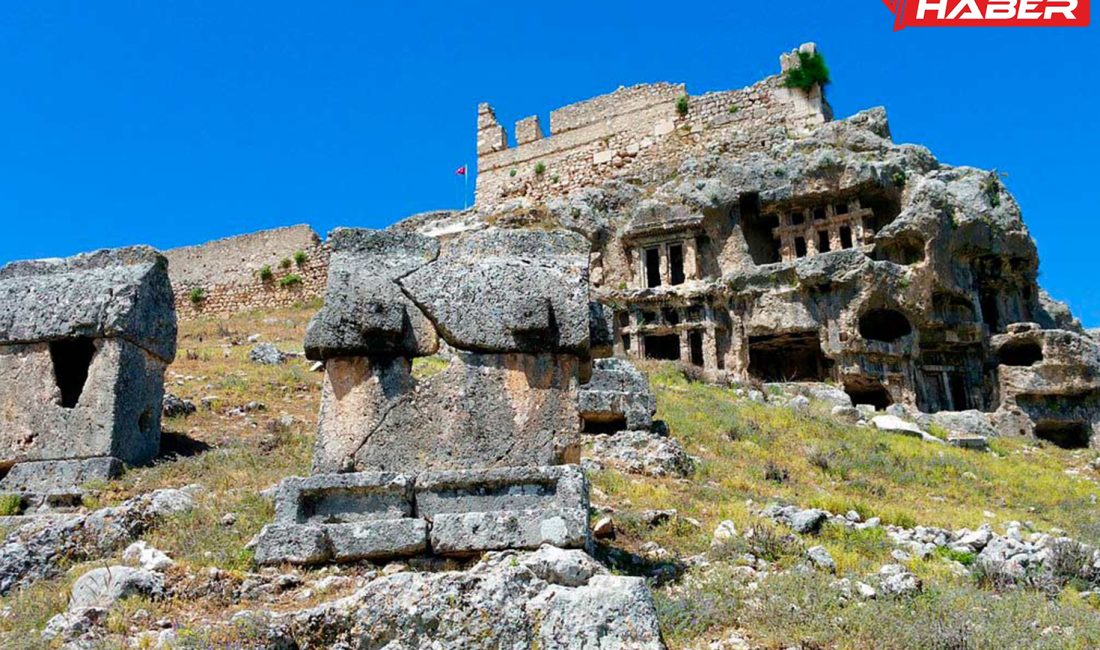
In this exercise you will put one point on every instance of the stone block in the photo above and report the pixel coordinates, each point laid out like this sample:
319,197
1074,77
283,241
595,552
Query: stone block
602,157
102,397
122,292
365,311
617,391
482,410
292,543
51,475
474,532
504,291
377,539
343,498
517,507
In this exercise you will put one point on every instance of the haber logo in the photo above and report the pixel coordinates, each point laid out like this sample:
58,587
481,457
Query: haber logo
989,13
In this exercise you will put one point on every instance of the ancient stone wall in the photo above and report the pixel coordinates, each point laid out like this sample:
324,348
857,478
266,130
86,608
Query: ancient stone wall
228,272
633,129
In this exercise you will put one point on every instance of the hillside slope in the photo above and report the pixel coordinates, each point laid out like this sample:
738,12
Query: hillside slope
253,426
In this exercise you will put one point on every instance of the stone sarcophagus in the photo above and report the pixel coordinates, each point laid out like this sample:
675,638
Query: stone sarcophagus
84,343
472,456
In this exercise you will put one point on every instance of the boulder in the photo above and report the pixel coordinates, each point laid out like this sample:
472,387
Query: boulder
147,557
546,599
638,452
105,586
266,354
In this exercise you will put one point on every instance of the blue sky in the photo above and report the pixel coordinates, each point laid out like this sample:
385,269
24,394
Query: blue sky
176,123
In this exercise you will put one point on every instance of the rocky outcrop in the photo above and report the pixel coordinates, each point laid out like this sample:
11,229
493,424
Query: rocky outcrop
35,550
832,255
546,599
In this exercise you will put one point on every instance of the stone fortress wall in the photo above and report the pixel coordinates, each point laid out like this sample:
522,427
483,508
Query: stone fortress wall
634,128
227,271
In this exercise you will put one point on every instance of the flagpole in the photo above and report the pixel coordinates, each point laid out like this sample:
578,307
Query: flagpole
465,186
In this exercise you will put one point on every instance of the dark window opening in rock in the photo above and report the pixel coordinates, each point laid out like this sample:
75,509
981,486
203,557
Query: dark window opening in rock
960,396
865,390
704,256
1020,353
1067,435
841,208
759,231
71,359
845,237
819,214
799,247
722,347
950,309
787,357
145,421
663,347
695,341
671,316
990,314
602,425
695,313
823,241
904,251
885,208
884,325
623,318
649,317
797,218
652,267
676,264
626,342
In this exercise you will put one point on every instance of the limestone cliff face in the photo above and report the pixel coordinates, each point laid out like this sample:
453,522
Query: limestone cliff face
830,254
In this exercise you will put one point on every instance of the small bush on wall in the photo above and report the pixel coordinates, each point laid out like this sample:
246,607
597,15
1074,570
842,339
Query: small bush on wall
813,71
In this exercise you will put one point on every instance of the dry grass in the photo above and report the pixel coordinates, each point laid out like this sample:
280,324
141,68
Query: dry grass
836,467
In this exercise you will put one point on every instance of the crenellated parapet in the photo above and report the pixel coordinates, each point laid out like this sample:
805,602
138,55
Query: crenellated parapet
603,137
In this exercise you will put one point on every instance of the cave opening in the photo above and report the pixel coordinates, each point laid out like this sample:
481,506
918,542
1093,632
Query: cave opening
885,325
1020,353
902,250
866,390
788,357
603,425
1067,435
665,347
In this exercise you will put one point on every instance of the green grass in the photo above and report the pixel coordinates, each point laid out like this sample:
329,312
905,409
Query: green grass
804,611
10,504
842,468
812,72
902,480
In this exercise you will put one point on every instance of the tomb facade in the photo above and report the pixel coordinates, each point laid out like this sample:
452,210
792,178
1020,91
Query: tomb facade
479,456
84,343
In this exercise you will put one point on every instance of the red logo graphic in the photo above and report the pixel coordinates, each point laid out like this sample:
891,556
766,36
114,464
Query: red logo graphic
988,13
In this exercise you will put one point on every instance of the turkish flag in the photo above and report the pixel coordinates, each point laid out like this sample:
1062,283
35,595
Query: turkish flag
461,171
